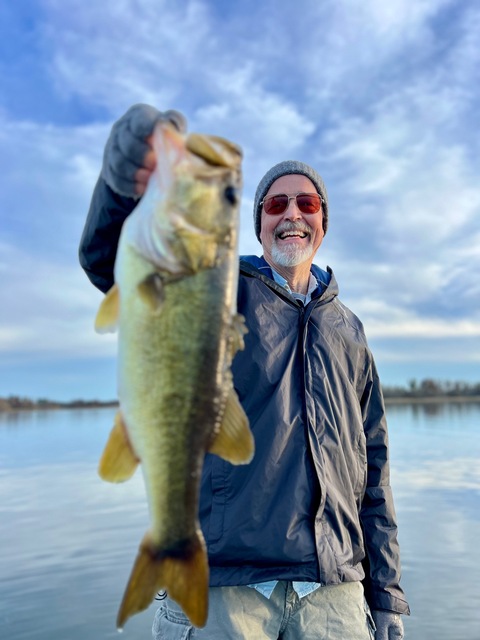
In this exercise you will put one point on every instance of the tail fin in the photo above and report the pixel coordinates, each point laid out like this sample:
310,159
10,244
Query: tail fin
183,574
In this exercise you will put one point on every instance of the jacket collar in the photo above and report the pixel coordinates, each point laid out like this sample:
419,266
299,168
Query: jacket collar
259,267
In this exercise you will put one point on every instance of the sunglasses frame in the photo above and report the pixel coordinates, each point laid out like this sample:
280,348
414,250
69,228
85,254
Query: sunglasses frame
293,197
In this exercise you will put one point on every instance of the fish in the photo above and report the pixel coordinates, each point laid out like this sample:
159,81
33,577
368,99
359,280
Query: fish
174,305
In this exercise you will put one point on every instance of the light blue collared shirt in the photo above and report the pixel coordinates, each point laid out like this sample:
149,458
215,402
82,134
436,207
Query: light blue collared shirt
302,588
312,285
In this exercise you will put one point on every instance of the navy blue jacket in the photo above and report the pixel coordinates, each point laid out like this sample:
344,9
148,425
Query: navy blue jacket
315,503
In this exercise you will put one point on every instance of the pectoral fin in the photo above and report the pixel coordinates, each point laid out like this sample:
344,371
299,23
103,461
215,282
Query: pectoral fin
107,316
151,291
118,461
234,442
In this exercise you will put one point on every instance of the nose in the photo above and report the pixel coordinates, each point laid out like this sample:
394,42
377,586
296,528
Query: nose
292,212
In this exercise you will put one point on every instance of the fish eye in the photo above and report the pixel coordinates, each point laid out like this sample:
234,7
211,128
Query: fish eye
230,195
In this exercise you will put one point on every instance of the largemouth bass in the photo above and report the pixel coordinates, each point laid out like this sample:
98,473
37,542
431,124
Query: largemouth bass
174,302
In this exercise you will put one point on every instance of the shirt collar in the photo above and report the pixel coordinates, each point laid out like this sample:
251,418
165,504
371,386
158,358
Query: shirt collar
312,285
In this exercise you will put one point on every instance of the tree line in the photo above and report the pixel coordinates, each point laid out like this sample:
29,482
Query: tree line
427,388
16,403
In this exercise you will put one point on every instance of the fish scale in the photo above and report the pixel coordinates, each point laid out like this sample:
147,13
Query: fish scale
189,395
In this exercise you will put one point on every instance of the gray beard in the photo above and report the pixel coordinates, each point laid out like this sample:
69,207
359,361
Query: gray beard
290,256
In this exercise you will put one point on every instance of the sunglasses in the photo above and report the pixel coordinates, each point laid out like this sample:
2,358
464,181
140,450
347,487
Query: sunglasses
279,203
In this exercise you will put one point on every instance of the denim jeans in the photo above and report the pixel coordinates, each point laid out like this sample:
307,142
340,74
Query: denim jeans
337,612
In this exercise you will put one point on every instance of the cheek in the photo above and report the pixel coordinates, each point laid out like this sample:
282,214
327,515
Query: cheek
266,230
319,228
318,235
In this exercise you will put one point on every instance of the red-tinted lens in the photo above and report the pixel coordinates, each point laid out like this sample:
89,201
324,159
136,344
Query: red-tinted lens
306,202
276,204
309,202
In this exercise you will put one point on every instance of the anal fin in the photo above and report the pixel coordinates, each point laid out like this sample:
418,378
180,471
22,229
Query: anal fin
118,461
234,441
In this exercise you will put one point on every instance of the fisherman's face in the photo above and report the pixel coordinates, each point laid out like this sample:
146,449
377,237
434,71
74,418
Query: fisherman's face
292,237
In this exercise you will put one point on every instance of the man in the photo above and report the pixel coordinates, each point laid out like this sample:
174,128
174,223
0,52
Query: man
305,535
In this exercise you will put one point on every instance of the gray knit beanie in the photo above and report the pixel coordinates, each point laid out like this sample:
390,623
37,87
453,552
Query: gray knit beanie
285,168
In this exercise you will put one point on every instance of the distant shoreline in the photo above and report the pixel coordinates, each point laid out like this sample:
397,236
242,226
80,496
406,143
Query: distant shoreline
23,404
429,399
15,404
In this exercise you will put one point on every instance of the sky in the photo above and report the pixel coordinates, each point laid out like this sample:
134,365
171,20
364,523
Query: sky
382,98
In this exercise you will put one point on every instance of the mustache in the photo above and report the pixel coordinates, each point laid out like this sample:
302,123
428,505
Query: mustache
285,227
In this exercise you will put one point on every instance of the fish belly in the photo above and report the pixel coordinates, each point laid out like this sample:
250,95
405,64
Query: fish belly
174,379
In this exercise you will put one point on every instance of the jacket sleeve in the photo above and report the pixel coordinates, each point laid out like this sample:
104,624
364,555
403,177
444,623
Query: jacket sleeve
98,245
382,564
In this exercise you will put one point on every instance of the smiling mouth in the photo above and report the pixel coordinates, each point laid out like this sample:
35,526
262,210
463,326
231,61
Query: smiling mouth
284,235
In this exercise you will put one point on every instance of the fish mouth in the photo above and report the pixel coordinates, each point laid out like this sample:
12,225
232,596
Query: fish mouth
215,150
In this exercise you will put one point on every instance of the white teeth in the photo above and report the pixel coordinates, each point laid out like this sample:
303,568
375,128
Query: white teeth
292,235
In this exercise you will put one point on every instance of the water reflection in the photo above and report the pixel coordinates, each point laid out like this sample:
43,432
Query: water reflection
435,459
64,570
75,536
436,409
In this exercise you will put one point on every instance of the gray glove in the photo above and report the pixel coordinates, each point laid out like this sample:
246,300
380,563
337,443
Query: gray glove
127,146
389,625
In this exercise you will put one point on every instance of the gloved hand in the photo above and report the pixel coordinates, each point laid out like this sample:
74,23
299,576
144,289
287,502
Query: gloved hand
128,159
389,625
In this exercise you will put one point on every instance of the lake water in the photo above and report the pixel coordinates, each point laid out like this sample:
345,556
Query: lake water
68,540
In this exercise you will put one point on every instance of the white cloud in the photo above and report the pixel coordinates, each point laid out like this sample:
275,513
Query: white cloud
407,185
48,180
373,94
276,121
404,326
384,319
157,52
437,358
175,55
50,308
